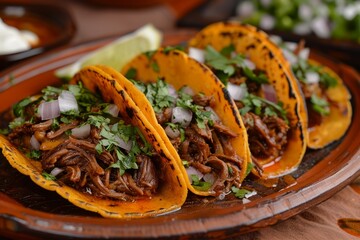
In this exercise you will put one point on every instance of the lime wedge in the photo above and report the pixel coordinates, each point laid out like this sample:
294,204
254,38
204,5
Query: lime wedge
117,53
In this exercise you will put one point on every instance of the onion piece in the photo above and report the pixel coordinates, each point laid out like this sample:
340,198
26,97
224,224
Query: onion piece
245,9
249,64
67,102
56,171
213,115
193,171
290,56
172,133
81,132
182,116
187,90
172,91
269,92
312,77
113,110
267,22
49,110
197,54
237,92
34,143
210,178
304,53
124,145
320,27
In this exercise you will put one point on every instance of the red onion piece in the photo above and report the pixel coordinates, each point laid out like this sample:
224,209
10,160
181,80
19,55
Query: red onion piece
113,110
182,116
209,177
56,171
172,133
249,64
49,110
197,54
34,143
67,102
237,92
290,56
124,145
193,171
81,132
269,92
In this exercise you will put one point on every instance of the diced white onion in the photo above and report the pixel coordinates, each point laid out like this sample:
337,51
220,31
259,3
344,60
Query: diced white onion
124,145
245,9
302,28
67,102
267,22
312,77
113,110
56,171
197,54
182,116
265,3
34,143
172,91
193,171
290,56
188,90
237,92
250,194
245,200
81,132
49,110
172,133
209,177
269,92
213,115
291,45
304,53
249,64
320,27
222,196
275,39
305,12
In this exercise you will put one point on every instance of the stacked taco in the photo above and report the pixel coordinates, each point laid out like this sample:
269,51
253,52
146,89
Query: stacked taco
195,117
327,99
96,150
259,80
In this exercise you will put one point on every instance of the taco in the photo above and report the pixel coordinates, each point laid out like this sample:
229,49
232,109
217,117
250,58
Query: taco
259,80
95,150
194,116
327,99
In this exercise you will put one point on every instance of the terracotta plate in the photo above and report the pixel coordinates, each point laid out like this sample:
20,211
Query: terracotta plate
28,210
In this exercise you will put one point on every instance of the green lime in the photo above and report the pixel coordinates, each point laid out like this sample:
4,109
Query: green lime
117,53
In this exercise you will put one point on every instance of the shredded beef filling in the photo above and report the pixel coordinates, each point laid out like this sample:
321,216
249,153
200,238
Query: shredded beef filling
208,150
83,168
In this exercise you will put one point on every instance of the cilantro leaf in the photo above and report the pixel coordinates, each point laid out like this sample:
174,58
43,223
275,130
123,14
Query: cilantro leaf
48,176
131,73
198,184
320,105
18,109
34,154
240,192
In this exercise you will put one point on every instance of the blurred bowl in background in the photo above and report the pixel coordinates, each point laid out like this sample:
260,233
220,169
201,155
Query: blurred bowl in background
52,24
126,3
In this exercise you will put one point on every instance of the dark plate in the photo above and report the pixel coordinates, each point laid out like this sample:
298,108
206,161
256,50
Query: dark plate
28,210
52,23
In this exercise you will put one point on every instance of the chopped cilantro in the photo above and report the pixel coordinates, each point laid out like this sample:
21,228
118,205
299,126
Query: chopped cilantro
249,167
199,185
17,122
149,54
185,163
131,73
19,108
51,93
240,192
48,176
34,154
168,49
155,66
320,105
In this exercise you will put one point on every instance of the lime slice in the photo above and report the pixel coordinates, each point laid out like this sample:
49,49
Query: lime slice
117,53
